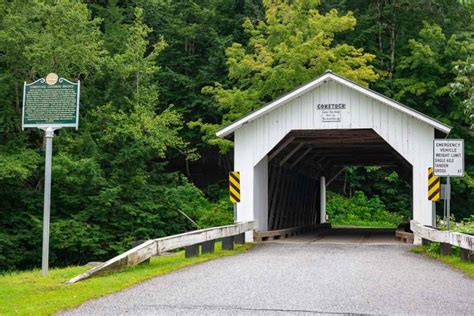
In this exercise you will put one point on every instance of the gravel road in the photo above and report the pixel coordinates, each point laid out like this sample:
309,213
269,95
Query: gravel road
300,278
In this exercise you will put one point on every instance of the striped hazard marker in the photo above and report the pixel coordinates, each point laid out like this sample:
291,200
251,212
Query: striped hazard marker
234,186
434,186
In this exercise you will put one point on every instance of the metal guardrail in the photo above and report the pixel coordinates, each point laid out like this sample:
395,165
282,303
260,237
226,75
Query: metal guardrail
155,247
446,238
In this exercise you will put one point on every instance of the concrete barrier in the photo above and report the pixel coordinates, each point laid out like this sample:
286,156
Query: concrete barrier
446,238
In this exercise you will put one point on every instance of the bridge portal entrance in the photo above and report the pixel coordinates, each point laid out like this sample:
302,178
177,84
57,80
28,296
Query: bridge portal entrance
290,150
305,162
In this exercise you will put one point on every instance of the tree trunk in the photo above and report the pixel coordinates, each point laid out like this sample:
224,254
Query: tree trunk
393,35
380,5
344,188
188,172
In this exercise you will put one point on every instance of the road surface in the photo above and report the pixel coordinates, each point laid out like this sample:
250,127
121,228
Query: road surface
359,274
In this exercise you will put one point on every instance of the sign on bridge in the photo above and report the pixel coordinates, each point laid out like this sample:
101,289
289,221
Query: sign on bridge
434,186
234,187
448,157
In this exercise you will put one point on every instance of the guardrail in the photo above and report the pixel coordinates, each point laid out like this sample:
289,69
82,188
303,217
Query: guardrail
155,247
447,239
288,232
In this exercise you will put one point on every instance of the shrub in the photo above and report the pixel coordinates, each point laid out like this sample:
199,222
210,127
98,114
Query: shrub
360,210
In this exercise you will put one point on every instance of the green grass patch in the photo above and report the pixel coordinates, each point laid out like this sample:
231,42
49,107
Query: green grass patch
453,260
362,224
28,293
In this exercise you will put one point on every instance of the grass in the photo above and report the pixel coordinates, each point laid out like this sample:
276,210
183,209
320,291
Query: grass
27,293
368,225
453,260
364,224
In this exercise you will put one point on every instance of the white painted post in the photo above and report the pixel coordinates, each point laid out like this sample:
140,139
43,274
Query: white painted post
49,134
235,212
322,188
260,195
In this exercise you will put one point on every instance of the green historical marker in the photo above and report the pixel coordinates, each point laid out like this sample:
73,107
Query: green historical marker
49,104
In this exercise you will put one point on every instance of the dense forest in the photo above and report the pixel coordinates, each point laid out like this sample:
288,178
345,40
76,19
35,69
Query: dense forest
159,77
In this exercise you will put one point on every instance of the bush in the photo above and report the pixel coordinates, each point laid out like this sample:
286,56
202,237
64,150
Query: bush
361,211
217,214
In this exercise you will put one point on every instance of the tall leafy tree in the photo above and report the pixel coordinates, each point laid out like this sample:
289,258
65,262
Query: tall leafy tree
292,45
463,87
35,38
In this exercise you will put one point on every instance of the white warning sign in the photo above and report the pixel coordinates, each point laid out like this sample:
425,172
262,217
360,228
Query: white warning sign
448,157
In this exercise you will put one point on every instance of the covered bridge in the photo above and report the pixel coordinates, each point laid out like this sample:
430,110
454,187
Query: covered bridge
288,151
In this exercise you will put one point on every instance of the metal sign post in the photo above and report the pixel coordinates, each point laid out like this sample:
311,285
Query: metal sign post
448,161
434,185
49,104
49,134
448,203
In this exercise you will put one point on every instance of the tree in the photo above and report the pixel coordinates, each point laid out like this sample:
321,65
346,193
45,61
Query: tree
384,27
292,45
111,185
424,76
463,86
35,38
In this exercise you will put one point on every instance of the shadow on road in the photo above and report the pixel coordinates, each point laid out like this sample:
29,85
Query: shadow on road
346,235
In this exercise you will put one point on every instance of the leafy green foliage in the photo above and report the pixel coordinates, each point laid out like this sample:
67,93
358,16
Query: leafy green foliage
110,185
464,86
218,214
466,225
361,211
385,183
291,46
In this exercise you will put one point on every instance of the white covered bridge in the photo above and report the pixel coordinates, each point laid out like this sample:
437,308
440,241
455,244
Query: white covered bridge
289,150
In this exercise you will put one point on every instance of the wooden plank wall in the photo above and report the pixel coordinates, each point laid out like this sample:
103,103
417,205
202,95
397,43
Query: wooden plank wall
292,199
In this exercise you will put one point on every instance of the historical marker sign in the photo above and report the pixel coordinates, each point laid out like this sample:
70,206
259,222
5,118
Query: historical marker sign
448,157
51,102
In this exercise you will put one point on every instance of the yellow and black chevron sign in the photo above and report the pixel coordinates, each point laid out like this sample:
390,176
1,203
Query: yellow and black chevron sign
234,186
434,186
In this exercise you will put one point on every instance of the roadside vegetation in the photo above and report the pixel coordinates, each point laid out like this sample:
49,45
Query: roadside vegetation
359,210
465,226
28,293
453,260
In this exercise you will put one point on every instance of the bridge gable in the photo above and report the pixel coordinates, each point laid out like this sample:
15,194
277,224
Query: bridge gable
333,105
320,81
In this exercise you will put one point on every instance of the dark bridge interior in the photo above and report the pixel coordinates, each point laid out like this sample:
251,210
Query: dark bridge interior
299,160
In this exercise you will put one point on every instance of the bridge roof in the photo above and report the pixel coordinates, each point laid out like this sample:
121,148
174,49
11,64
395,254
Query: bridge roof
231,128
